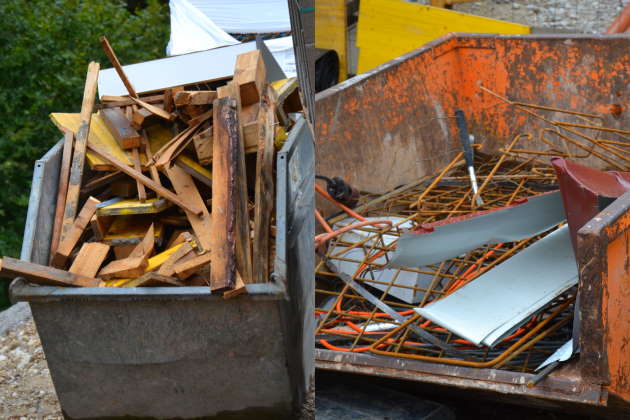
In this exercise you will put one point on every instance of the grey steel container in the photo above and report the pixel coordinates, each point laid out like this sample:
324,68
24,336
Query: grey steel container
182,352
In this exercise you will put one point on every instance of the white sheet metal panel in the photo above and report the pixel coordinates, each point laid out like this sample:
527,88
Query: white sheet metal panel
492,305
148,76
537,215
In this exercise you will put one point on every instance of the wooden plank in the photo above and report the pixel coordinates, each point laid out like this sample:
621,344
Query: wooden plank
155,175
187,190
147,182
100,226
121,128
44,275
152,279
101,181
155,110
114,60
185,269
134,206
123,251
64,173
197,97
264,194
129,230
108,101
179,237
194,169
134,265
73,234
169,95
250,76
78,158
171,150
168,267
331,31
89,260
135,157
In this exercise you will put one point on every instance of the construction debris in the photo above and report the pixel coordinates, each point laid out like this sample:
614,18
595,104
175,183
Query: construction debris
179,184
443,270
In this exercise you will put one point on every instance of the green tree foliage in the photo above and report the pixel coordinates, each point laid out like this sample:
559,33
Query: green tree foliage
46,47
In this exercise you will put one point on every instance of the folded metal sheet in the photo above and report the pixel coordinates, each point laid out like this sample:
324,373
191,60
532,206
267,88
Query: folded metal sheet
586,191
494,304
441,241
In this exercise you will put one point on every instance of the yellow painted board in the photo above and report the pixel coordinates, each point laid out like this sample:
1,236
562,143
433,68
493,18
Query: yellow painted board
134,206
390,28
154,262
99,136
126,230
331,30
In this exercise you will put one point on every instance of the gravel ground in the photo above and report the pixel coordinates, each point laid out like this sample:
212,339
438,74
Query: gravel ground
582,16
27,390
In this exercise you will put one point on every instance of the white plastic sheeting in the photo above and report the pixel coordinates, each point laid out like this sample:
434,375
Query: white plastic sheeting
192,31
246,16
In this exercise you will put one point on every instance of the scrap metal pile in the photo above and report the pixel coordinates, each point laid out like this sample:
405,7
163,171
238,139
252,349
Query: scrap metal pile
444,270
168,188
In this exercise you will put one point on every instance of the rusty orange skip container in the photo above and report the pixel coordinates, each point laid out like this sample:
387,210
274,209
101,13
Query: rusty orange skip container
391,126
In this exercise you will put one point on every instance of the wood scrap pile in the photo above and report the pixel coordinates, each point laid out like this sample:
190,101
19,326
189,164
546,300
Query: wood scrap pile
168,188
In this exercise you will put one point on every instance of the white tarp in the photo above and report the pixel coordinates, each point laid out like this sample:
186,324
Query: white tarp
193,30
246,16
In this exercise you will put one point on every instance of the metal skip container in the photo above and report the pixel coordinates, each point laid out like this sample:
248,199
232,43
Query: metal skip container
182,352
397,121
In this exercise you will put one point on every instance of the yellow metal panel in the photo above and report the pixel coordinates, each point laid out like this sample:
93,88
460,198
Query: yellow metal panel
331,32
390,28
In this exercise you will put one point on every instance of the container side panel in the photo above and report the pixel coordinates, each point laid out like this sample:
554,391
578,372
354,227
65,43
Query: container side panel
296,162
164,359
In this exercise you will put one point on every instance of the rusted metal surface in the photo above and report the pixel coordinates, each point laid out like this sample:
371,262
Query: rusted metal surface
557,387
405,109
604,260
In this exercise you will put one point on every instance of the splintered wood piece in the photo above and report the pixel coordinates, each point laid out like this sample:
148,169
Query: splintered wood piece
80,145
114,60
250,76
185,269
203,146
147,182
134,265
174,147
187,190
155,110
135,157
179,237
143,118
73,235
64,173
197,97
152,279
263,199
120,128
89,260
168,267
41,274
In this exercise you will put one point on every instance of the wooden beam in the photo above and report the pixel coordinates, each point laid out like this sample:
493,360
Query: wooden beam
187,190
143,118
169,94
73,235
263,199
224,194
78,158
147,182
114,60
44,275
250,76
64,173
121,128
185,269
196,97
89,260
